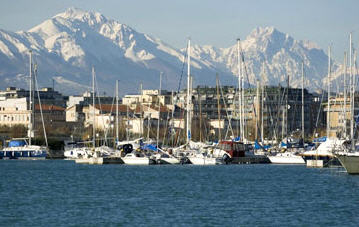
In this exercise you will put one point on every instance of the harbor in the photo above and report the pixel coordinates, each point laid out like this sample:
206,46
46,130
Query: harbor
179,113
64,192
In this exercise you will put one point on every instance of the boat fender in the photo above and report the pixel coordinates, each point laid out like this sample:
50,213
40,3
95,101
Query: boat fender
127,148
226,159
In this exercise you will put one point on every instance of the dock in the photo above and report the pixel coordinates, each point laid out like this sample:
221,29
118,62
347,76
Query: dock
100,160
250,160
315,163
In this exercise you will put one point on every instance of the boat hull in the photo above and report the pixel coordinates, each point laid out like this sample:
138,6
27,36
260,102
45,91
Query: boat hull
286,159
171,161
350,163
23,154
137,161
203,161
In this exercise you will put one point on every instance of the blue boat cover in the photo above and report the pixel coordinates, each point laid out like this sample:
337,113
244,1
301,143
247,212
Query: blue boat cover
258,146
320,139
151,147
17,143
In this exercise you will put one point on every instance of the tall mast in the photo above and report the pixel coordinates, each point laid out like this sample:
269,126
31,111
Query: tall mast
117,132
351,90
239,89
303,101
353,99
262,115
188,122
262,107
159,110
141,111
257,111
172,116
200,114
345,95
93,108
329,72
30,99
128,123
286,109
218,109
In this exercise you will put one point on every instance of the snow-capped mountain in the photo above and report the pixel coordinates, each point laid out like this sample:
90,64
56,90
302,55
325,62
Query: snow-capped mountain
66,47
270,56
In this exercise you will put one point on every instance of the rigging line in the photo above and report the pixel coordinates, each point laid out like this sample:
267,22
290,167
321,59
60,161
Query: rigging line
225,107
182,71
318,115
113,103
355,85
38,96
100,106
247,77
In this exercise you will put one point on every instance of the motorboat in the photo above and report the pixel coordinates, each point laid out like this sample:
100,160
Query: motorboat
165,158
286,157
136,158
20,149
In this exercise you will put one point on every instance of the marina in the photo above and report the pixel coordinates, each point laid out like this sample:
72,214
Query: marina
179,113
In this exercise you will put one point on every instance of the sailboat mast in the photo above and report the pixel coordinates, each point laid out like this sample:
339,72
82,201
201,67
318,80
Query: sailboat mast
141,110
30,99
188,123
117,132
353,99
218,109
262,113
200,114
329,72
159,110
345,95
239,90
256,111
351,89
93,108
127,123
303,101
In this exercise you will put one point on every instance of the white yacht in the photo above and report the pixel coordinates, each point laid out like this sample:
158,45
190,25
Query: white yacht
137,159
20,149
350,161
164,158
286,157
77,152
203,158
325,151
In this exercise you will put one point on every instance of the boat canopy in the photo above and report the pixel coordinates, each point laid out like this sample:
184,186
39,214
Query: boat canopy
320,139
17,143
258,146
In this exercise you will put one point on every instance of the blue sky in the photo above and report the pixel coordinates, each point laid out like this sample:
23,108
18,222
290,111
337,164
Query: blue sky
212,22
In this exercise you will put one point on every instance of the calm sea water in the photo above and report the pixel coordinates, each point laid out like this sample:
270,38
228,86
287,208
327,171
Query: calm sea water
53,193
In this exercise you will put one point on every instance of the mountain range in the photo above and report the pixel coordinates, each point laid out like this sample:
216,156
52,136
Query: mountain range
69,44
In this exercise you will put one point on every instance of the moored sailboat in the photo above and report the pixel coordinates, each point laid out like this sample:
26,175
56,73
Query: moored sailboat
23,148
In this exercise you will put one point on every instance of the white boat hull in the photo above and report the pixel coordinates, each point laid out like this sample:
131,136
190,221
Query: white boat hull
350,163
279,159
137,161
203,161
172,161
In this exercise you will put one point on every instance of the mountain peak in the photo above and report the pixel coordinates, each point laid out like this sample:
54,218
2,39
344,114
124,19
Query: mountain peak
266,32
73,13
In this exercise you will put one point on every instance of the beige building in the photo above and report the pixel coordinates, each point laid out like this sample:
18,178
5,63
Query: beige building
148,97
339,115
15,111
